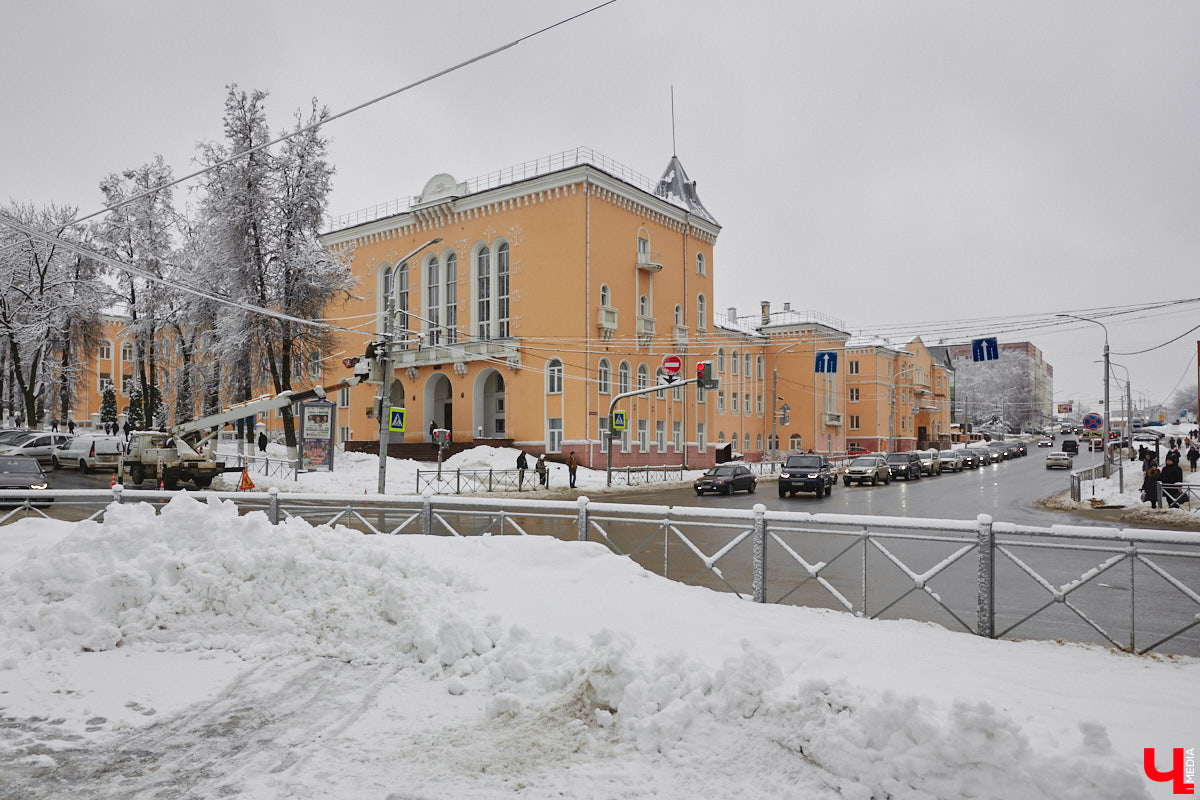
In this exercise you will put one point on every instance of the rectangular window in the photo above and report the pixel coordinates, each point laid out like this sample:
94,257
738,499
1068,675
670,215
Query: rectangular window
720,402
660,435
854,422
502,292
483,271
343,434
854,395
625,448
746,404
676,391
433,306
344,397
700,394
106,351
677,436
700,436
104,382
604,435
554,435
451,300
643,435
733,398
758,405
852,367
401,297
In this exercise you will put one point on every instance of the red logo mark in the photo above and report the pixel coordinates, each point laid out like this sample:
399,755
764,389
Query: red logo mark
1177,773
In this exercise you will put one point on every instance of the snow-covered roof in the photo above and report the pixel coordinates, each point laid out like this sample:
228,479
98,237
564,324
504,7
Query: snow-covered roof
675,188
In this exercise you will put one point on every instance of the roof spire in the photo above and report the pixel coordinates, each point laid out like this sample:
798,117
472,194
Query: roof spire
674,152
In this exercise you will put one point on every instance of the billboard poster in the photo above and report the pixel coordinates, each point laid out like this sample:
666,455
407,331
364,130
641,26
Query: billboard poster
316,435
1064,408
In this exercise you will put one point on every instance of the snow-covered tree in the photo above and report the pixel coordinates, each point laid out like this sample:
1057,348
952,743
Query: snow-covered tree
1184,400
108,404
263,212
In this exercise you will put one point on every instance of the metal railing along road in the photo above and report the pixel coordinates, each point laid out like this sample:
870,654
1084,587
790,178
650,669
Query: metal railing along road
993,579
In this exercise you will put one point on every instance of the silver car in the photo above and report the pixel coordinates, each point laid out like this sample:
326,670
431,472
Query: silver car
38,445
873,469
931,462
89,451
952,461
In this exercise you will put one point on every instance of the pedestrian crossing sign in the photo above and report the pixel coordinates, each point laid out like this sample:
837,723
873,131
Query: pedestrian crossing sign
396,420
618,421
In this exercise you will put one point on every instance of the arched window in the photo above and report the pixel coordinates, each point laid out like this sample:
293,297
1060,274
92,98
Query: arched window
401,297
659,376
483,293
758,442
759,369
795,442
678,314
644,306
502,290
604,376
385,284
721,437
733,361
451,298
746,444
699,263
720,359
701,313
554,376
747,370
605,295
433,304
643,376
623,378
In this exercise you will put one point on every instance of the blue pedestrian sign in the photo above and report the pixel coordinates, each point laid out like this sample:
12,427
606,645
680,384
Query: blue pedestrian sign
826,361
985,349
396,420
618,421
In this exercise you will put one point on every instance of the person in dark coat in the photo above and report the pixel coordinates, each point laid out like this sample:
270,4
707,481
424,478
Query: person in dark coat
1193,457
71,430
262,442
128,430
1171,474
572,466
433,442
522,465
1150,486
542,470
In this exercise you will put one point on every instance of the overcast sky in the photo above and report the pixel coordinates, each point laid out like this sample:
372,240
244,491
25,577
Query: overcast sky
889,164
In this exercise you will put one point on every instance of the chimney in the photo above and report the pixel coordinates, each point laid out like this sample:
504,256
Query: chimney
766,312
787,306
732,312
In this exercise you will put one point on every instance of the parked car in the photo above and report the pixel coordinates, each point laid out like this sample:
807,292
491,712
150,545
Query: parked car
986,455
1059,459
1070,446
1022,448
931,462
855,450
952,461
89,451
969,458
12,436
38,445
806,473
1045,441
1096,444
726,479
23,472
873,469
905,465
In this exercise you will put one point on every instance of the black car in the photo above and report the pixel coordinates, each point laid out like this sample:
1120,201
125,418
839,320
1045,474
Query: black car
905,465
23,472
1070,446
806,473
726,479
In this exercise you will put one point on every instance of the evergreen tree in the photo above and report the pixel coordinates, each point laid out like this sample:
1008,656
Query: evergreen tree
108,405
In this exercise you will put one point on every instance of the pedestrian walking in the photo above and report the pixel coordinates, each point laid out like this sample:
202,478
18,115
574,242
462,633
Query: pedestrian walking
1193,457
543,471
1171,476
54,425
128,429
71,429
522,465
262,442
432,438
1150,487
573,465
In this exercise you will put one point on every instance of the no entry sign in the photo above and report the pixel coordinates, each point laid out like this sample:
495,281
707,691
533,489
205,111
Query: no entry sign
671,365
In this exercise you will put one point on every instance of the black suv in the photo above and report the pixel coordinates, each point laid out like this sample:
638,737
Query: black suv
806,473
905,465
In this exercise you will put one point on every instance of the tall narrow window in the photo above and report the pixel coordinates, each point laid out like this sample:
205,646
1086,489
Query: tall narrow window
678,314
554,376
605,295
720,359
483,277
623,378
733,361
386,286
433,307
604,376
643,377
644,306
401,297
699,263
701,313
451,298
502,290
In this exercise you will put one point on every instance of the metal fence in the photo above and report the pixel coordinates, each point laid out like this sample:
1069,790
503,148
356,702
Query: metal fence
263,465
1083,475
1135,590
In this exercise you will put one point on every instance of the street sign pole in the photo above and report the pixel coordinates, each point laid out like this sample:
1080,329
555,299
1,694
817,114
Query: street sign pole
612,406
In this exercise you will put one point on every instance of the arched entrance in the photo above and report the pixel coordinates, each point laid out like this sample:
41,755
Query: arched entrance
439,404
488,411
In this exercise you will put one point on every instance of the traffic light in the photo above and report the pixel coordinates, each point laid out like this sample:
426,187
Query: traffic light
704,375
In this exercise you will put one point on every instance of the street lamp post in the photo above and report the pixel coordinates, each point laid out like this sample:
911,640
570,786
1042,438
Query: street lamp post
385,361
1107,408
1128,435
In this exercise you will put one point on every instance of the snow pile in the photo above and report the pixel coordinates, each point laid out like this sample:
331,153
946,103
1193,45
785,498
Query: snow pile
561,661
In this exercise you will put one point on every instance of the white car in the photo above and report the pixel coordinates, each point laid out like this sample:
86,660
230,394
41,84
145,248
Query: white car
40,445
1059,459
89,451
1045,441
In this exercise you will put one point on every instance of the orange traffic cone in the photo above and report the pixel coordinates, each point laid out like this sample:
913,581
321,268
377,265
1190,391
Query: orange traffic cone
160,485
113,482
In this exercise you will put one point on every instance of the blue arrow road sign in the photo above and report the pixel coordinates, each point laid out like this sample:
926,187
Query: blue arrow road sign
985,349
826,361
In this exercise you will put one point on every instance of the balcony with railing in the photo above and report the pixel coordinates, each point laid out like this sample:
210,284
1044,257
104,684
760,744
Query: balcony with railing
606,321
645,329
